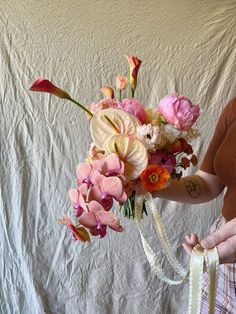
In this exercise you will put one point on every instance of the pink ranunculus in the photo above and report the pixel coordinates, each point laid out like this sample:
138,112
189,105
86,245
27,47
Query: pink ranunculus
163,159
133,106
122,82
43,85
178,111
134,64
102,104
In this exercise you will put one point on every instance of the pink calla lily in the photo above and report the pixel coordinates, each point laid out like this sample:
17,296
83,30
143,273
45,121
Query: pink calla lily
45,86
134,64
108,92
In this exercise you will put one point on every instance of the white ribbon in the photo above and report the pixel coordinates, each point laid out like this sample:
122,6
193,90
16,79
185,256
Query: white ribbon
198,258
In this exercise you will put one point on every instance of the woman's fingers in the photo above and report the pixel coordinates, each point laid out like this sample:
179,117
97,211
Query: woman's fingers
191,241
188,248
227,250
226,231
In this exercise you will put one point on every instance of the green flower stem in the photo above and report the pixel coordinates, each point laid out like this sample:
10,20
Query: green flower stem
120,95
81,106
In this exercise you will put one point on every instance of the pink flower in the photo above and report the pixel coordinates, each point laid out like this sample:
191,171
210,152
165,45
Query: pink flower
178,111
97,219
110,187
43,85
85,171
112,165
78,233
134,64
122,82
102,104
95,153
161,158
77,198
134,107
107,91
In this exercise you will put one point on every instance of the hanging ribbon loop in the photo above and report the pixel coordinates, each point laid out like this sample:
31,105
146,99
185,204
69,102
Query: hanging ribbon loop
199,259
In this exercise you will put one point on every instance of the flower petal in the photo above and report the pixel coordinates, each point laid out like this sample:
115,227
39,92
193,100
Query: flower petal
131,151
109,122
109,219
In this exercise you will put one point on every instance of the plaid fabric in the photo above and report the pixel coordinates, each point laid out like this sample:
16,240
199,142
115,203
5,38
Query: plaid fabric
226,287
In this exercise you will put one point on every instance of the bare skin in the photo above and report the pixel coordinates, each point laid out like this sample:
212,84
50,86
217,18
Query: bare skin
223,239
199,188
195,189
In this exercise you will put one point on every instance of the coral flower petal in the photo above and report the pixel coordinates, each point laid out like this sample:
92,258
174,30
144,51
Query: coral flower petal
154,178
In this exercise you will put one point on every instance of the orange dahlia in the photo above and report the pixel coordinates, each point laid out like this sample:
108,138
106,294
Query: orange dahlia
154,178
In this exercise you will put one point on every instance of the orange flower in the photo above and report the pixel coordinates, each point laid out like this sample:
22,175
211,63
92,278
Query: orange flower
154,178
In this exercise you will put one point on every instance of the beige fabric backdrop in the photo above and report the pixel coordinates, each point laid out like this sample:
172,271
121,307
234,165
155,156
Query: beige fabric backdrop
187,47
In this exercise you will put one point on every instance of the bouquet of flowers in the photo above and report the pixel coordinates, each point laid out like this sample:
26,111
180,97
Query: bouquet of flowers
134,148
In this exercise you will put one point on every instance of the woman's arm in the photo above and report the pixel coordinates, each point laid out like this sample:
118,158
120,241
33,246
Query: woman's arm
194,189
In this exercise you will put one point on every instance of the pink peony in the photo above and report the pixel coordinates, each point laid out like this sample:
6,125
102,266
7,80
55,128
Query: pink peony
133,106
178,111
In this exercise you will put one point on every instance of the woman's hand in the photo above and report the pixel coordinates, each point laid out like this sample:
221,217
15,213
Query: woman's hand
224,239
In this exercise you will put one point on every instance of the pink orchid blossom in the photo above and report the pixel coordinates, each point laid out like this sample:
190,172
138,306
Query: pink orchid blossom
77,198
85,172
78,232
134,107
110,187
97,219
178,111
122,82
161,158
134,64
112,165
96,194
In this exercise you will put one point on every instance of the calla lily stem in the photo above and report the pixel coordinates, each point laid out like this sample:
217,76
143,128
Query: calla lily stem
81,106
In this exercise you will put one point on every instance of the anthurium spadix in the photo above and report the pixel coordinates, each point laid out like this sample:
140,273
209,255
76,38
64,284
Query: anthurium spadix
108,122
131,151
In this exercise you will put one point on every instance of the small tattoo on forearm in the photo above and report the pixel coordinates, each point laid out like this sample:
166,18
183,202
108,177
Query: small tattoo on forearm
193,188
